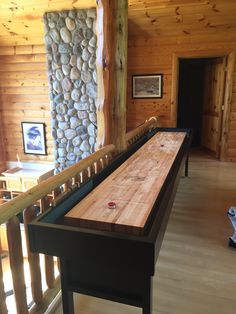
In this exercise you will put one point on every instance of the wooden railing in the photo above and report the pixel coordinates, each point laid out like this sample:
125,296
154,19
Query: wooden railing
47,194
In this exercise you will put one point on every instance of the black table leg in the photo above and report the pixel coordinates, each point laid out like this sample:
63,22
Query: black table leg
186,167
147,298
67,301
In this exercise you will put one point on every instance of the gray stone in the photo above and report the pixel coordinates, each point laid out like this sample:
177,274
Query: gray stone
81,130
61,108
52,17
65,58
71,157
92,62
86,77
61,159
48,40
77,36
85,54
48,49
64,141
76,141
82,106
91,50
65,35
89,22
70,104
54,133
92,130
74,122
61,22
92,13
67,96
64,48
53,114
54,47
51,24
85,67
82,114
72,14
61,152
93,41
63,13
70,163
74,74
85,146
94,106
57,87
55,35
89,33
73,60
56,57
77,83
79,63
81,14
85,137
59,74
91,90
84,98
81,24
95,76
58,99
84,43
77,49
69,146
66,69
92,140
66,84
70,134
63,125
67,118
86,122
77,151
60,133
93,117
83,89
72,112
85,154
70,23
75,94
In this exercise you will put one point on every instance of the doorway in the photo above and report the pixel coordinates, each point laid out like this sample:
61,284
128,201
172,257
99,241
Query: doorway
200,100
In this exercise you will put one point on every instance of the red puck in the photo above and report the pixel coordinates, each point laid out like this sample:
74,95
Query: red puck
111,205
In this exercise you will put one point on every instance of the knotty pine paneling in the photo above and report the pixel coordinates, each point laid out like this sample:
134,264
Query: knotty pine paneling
156,55
24,96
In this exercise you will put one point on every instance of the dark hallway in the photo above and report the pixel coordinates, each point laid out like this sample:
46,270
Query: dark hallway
190,97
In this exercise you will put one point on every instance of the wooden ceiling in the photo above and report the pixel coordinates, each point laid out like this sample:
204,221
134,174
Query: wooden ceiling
21,20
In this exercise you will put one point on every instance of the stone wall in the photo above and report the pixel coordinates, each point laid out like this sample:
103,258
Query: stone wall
71,42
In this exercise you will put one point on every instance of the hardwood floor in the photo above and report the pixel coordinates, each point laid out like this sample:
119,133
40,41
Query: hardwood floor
196,270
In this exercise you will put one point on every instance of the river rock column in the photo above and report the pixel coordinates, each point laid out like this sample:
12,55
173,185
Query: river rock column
71,43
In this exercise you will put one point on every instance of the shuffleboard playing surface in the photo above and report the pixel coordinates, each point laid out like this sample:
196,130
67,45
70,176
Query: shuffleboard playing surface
134,187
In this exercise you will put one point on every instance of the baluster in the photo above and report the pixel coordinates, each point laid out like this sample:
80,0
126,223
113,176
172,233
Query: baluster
48,260
102,163
17,264
3,307
34,262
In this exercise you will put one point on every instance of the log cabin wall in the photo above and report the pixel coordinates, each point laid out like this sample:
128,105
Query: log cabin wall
24,96
156,55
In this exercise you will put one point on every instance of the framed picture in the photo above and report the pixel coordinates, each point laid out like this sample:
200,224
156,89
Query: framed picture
33,134
147,86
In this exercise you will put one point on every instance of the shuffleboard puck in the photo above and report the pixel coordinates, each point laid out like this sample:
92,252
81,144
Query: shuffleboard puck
111,205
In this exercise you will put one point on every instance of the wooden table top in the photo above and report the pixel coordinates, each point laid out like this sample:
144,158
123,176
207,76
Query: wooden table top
134,187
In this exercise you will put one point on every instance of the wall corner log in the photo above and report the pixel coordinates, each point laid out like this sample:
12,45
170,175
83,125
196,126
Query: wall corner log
112,29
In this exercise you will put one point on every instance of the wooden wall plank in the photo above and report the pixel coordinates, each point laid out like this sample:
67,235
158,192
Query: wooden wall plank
24,96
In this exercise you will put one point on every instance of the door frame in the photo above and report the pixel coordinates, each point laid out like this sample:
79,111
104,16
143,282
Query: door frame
230,56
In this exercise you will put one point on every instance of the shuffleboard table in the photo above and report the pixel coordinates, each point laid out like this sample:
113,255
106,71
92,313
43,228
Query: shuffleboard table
110,251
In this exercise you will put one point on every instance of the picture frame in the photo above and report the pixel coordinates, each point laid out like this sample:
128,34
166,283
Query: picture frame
33,134
147,86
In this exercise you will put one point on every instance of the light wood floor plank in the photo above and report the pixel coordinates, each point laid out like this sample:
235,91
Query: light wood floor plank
195,272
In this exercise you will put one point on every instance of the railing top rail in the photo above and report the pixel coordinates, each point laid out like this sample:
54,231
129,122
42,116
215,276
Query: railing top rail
142,128
19,203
